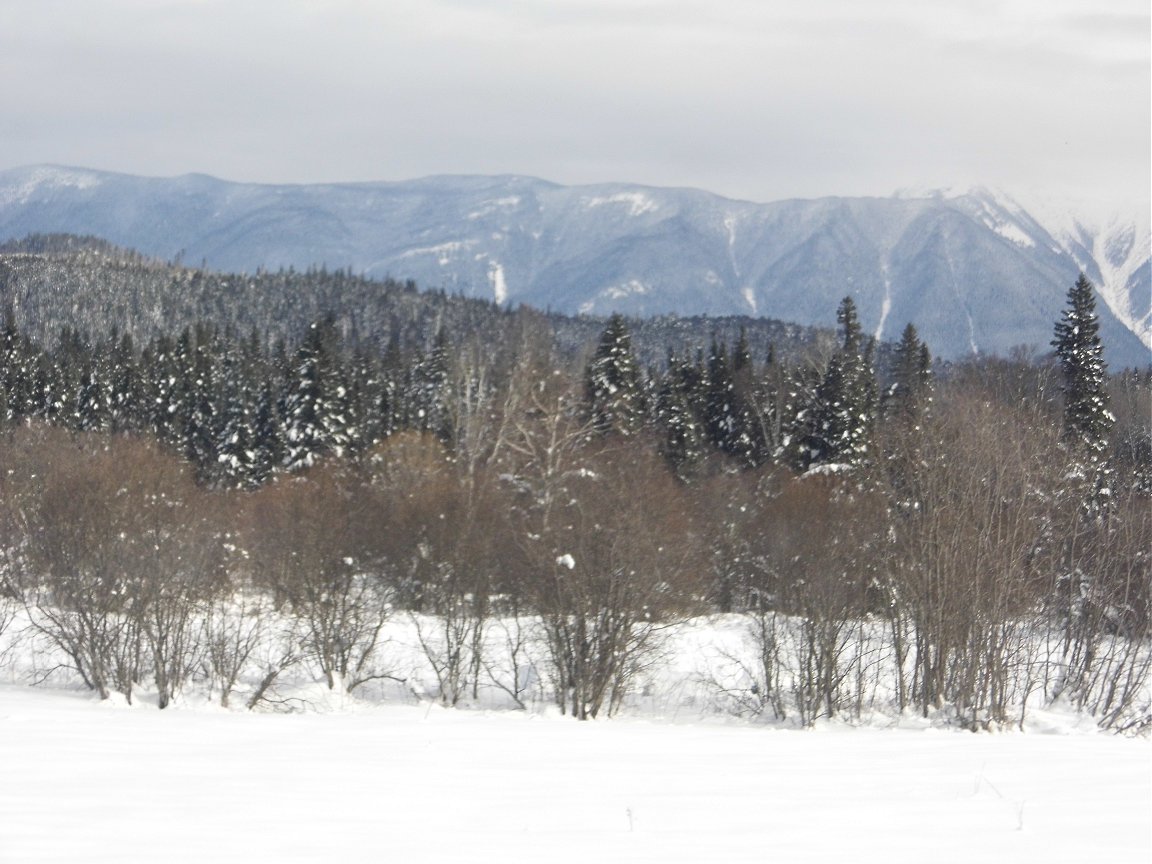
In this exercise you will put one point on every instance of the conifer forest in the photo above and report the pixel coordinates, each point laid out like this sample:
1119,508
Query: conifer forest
223,480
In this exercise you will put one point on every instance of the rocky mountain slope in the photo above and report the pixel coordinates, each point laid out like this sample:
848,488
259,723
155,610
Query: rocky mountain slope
975,271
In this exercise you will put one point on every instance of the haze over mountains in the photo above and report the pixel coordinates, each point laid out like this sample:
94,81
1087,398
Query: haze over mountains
975,271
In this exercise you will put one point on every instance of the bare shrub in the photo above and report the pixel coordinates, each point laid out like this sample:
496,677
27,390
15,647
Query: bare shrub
302,537
749,684
964,560
120,557
435,529
820,540
512,668
618,565
1099,642
242,632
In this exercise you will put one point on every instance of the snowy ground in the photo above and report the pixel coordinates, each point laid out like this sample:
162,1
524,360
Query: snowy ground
84,781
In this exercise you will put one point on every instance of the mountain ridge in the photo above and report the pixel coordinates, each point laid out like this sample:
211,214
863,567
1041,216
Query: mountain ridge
974,270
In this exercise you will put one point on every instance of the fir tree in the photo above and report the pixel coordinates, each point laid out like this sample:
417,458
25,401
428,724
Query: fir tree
1087,420
728,386
843,415
612,382
267,444
313,415
94,401
11,369
906,404
683,441
428,396
720,414
907,398
203,403
62,395
235,424
127,409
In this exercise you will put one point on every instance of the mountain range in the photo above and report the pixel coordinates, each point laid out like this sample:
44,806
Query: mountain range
976,271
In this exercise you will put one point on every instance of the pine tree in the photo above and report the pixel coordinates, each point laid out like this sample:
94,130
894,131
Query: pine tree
365,399
203,402
906,404
314,421
1087,420
727,390
127,411
844,409
683,441
612,382
235,432
1087,423
389,407
176,390
907,398
11,369
94,399
428,392
62,396
768,400
720,414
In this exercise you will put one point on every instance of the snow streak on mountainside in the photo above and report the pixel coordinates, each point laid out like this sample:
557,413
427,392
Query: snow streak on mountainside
1113,250
974,270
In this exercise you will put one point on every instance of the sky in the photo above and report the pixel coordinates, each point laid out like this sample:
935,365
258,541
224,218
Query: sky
752,99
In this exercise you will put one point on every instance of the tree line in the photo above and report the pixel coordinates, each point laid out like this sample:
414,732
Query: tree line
208,504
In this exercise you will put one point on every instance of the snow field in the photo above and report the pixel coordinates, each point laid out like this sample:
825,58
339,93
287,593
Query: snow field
88,781
388,774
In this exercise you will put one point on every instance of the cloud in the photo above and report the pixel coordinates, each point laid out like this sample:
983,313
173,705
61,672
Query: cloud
751,99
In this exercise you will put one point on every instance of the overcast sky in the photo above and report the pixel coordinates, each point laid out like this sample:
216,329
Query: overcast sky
755,99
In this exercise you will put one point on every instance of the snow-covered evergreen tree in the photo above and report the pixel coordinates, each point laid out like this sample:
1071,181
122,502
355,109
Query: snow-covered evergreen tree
844,412
314,414
683,441
203,401
906,404
909,394
427,396
126,395
16,363
721,417
235,432
1087,420
613,382
94,398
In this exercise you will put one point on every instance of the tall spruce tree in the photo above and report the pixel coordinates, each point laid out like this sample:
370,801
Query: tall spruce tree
683,440
428,396
314,415
14,377
720,412
841,420
1087,420
905,406
907,397
612,382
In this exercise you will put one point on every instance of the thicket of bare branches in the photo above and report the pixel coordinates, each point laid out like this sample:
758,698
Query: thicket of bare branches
955,573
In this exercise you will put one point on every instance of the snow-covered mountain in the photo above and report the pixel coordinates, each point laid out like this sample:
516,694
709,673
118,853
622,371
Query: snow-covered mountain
975,271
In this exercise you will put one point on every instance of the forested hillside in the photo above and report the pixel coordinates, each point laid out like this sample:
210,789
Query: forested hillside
978,272
56,282
195,464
